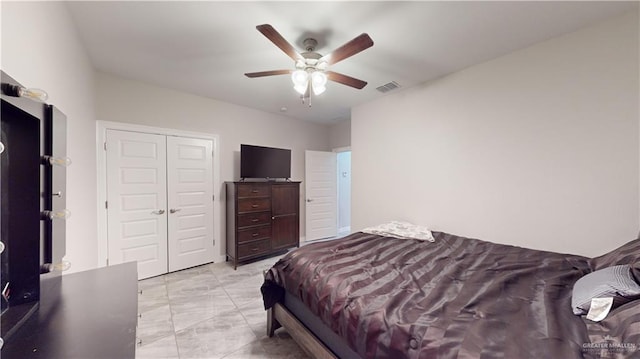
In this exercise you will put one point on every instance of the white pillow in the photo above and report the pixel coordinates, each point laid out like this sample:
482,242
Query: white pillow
403,230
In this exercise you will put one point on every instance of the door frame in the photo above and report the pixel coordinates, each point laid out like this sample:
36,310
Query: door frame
339,150
101,166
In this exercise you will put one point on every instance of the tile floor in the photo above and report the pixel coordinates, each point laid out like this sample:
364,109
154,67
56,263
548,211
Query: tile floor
209,312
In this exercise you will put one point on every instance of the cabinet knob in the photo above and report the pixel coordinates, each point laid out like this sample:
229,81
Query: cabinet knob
309,200
158,212
174,210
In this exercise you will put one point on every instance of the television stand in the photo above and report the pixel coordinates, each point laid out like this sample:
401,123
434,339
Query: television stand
262,219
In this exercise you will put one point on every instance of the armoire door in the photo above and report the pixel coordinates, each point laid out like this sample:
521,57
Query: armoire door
285,232
190,195
137,200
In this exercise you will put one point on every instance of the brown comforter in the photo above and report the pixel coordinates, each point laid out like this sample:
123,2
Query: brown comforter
454,298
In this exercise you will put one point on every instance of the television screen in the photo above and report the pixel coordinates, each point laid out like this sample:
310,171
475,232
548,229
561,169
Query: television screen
264,162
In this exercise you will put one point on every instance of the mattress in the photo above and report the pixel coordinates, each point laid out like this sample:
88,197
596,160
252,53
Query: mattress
455,297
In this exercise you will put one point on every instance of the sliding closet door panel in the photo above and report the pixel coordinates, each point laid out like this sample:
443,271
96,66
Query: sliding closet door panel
190,192
137,200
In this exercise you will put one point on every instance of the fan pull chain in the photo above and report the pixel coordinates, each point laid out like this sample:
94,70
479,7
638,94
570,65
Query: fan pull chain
308,92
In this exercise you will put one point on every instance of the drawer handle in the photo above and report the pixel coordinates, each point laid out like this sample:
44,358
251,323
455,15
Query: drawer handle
254,206
255,249
255,220
255,234
254,191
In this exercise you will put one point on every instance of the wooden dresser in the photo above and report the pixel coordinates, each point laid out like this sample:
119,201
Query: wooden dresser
263,218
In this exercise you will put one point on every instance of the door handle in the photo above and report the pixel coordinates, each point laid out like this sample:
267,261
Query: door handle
309,200
174,210
158,212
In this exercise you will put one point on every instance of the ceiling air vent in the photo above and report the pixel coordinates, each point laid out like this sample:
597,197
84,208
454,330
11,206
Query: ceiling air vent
388,87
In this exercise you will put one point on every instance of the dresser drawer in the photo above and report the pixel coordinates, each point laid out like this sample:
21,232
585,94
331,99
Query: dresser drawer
251,234
254,248
254,204
253,190
254,219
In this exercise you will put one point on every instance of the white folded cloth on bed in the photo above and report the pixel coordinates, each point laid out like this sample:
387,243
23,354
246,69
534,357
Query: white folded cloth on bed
403,230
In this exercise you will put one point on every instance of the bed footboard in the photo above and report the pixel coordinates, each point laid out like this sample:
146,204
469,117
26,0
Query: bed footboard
278,316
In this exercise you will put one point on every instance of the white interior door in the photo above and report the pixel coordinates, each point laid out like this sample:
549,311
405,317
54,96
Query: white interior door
137,201
321,195
190,191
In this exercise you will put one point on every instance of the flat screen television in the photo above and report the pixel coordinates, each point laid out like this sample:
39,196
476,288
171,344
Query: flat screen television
264,162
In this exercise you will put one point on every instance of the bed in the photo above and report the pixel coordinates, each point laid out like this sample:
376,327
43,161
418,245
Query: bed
376,296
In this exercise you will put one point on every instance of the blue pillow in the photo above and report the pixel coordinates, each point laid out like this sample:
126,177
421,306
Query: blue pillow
635,271
617,282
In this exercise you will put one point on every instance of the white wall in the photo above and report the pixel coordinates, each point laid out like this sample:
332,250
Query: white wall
340,134
40,48
122,100
538,148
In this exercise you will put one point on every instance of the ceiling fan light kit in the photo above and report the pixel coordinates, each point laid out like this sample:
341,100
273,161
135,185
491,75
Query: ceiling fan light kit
311,68
300,78
301,83
318,82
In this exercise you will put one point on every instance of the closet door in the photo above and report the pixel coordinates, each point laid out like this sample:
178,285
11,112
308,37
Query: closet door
137,200
190,192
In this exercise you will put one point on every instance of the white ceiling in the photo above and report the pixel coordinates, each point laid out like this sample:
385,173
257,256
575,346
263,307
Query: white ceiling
205,48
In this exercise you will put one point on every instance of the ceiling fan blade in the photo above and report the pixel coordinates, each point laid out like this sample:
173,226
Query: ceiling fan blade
270,33
345,80
267,73
351,48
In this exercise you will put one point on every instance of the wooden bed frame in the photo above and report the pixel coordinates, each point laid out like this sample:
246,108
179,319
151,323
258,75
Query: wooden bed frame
279,316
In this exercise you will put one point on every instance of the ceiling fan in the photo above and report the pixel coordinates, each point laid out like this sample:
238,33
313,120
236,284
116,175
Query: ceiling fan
310,71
